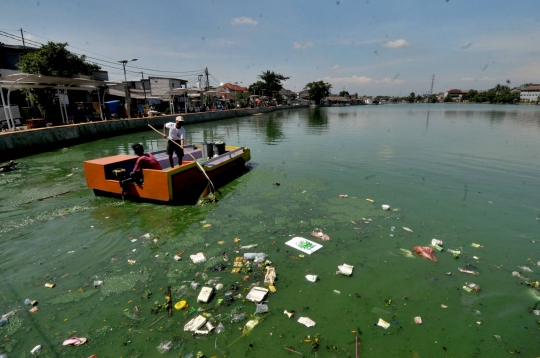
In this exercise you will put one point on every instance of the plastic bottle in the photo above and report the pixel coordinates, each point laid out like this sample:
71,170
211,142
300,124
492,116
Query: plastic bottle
468,289
9,314
454,252
438,248
3,356
3,321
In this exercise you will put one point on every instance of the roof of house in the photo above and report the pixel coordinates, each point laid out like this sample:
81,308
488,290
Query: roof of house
457,91
532,88
233,87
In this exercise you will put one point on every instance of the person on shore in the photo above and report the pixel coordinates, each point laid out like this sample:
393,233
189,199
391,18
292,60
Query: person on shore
176,137
145,161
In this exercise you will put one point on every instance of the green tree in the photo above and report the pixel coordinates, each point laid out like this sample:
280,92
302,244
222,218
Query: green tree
318,90
53,59
411,97
271,82
256,88
344,94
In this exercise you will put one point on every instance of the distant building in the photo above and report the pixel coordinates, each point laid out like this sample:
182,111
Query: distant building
10,55
229,87
530,93
159,86
455,93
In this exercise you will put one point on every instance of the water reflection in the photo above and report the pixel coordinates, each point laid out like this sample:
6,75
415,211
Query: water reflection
274,131
317,117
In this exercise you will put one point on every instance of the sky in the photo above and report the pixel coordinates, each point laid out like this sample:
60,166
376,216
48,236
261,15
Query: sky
368,47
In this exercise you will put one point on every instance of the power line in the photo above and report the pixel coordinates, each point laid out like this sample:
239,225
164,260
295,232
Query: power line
140,68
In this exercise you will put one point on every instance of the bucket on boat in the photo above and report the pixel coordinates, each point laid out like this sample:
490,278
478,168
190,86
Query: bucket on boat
207,150
219,148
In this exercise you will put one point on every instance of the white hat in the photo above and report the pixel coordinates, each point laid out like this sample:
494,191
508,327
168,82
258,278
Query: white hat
179,119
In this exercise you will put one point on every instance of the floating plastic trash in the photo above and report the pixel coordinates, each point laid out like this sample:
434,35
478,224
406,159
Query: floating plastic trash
311,278
304,245
257,294
220,328
98,283
382,323
473,286
164,346
289,314
320,235
426,252
306,321
370,200
418,320
219,286
36,349
476,245
198,258
270,276
261,308
468,271
345,270
50,285
525,268
385,207
195,324
256,257
407,229
248,247
180,305
204,295
250,325
238,317
436,242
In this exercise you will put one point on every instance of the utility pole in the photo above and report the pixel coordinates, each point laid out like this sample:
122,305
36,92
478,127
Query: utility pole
432,80
126,88
144,89
199,79
22,37
207,85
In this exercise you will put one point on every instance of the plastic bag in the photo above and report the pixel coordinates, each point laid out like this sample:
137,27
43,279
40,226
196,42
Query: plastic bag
238,317
220,328
164,346
261,308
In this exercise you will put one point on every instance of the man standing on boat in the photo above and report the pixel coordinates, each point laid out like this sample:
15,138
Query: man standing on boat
175,144
145,161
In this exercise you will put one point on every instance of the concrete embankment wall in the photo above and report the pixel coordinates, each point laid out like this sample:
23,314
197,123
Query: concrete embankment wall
23,143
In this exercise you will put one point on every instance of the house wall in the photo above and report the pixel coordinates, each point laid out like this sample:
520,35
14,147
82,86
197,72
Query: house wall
529,95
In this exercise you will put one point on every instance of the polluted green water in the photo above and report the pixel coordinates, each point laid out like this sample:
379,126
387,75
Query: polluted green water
461,174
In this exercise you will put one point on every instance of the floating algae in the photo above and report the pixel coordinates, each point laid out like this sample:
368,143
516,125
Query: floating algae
124,283
72,297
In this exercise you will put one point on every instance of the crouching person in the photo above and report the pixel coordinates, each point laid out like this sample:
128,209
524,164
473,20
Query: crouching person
145,161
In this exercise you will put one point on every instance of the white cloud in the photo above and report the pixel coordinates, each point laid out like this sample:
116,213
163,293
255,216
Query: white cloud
299,46
397,44
392,80
335,67
243,21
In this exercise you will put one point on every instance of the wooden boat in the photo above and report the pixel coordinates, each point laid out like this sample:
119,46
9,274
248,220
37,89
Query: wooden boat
179,185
